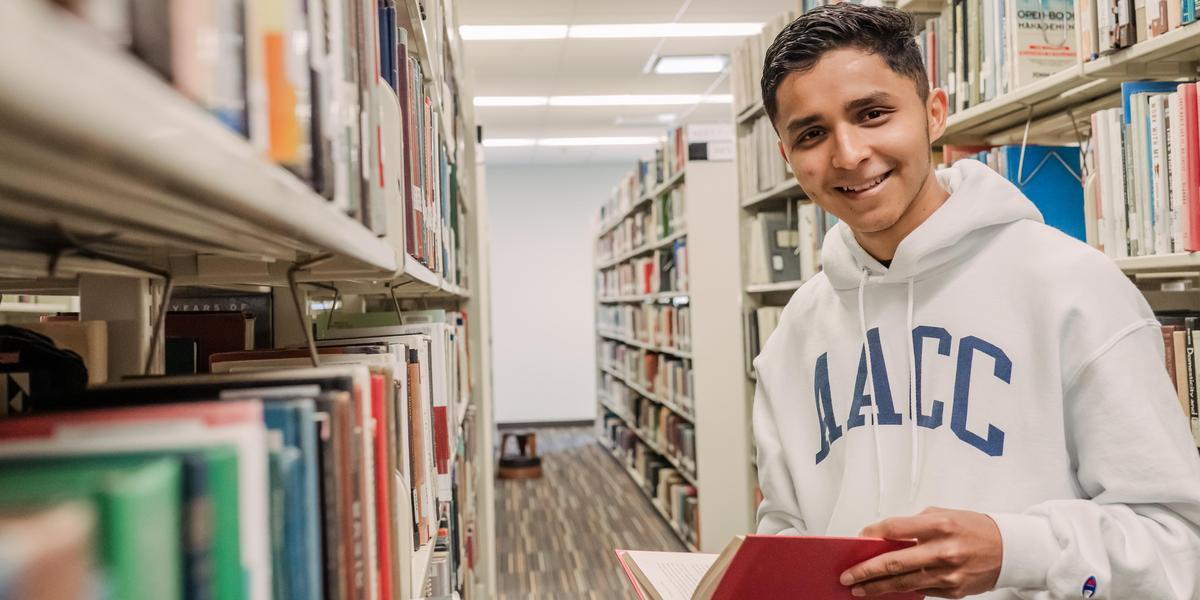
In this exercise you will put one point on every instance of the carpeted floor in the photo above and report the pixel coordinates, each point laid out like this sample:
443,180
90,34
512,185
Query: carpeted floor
555,535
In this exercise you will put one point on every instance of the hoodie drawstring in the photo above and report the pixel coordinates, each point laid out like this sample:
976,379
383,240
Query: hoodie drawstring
912,398
862,324
912,391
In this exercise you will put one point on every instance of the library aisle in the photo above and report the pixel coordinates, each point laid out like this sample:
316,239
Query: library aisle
282,281
555,535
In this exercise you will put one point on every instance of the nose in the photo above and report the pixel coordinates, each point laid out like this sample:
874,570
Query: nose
850,148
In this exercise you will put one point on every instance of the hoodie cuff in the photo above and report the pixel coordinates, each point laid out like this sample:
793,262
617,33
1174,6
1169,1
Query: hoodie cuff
1029,549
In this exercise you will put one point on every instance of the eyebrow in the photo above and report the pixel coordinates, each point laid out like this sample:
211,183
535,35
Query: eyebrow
850,106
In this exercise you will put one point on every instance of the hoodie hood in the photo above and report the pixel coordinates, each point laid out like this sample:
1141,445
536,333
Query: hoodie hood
979,199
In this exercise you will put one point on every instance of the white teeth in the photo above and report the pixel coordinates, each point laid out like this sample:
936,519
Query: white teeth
868,185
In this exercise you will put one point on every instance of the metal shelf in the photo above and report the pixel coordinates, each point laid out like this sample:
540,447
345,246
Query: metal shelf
637,479
767,288
645,249
114,155
1188,262
786,189
647,394
642,297
645,345
30,308
653,445
1171,55
675,180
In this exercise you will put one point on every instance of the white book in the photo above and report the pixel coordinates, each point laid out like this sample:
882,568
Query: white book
1159,192
1139,178
1176,141
809,259
1104,219
1120,190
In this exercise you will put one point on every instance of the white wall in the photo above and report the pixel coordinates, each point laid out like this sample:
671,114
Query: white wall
543,305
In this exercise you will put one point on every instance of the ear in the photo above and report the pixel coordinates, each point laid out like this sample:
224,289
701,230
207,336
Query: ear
937,109
782,152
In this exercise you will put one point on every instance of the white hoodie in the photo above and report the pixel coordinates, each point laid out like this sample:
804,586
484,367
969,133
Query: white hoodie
1041,396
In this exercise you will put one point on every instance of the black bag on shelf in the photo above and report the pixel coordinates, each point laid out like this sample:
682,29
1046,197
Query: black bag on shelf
36,375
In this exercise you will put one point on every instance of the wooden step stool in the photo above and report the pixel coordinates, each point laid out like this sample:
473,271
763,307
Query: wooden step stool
525,464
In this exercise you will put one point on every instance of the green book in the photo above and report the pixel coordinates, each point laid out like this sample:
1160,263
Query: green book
139,504
231,579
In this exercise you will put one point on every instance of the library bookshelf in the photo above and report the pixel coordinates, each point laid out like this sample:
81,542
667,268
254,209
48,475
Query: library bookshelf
1052,110
706,354
115,187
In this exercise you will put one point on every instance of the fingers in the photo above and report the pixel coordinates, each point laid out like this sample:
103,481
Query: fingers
931,582
929,524
892,564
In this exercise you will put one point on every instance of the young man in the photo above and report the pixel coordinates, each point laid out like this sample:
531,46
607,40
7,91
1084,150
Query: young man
956,352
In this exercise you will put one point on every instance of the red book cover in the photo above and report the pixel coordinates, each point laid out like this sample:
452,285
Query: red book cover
383,521
770,566
1192,151
774,566
441,439
209,413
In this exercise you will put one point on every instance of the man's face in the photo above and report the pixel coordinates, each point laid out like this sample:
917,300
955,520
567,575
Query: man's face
857,135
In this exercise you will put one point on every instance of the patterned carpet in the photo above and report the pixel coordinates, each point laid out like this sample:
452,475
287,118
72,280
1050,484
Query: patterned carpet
555,535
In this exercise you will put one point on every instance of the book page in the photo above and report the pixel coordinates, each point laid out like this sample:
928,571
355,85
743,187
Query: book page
673,575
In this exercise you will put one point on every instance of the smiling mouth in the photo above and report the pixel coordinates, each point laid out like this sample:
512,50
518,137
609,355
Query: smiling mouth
864,187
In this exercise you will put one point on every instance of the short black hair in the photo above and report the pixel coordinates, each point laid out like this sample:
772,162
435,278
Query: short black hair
887,32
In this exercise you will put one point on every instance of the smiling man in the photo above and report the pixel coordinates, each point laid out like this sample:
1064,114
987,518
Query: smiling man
956,352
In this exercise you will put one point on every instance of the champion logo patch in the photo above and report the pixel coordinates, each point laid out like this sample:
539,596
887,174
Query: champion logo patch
1089,587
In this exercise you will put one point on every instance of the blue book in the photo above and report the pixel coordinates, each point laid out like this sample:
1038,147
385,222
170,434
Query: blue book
387,46
1189,11
294,419
1051,181
1129,88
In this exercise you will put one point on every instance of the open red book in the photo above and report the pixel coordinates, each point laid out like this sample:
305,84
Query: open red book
756,566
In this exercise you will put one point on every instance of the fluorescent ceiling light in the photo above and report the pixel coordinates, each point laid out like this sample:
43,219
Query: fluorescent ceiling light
508,142
640,100
627,30
678,65
510,100
599,141
571,141
512,32
665,30
604,100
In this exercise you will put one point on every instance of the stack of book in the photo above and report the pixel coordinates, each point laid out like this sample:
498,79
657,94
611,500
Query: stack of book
1107,25
764,167
978,50
1181,336
263,478
760,324
1145,163
785,245
329,90
662,482
746,63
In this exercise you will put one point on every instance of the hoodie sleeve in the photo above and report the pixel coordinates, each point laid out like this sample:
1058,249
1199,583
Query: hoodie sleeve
1138,532
779,512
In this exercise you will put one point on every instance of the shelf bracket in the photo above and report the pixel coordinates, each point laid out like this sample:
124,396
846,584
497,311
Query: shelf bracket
300,308
80,247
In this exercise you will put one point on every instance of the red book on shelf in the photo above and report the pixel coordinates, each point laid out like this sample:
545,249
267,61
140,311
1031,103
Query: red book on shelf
383,504
1191,118
757,566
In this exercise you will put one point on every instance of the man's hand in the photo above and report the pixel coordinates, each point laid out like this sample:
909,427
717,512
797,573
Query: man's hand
958,553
